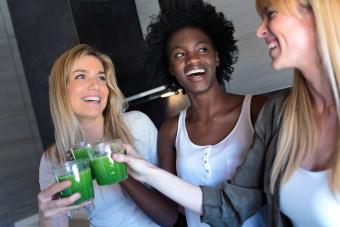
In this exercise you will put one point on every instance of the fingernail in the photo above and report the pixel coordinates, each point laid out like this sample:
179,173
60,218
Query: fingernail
77,195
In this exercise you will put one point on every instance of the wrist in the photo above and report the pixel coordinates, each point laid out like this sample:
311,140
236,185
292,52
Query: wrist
150,173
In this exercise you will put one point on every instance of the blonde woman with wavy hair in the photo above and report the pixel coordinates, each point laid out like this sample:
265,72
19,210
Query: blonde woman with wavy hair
294,162
87,105
300,106
67,127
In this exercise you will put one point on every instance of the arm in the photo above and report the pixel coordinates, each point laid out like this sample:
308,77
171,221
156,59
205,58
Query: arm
231,205
150,201
184,193
167,156
153,203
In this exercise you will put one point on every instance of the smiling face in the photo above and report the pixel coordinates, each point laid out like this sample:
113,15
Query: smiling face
291,39
86,88
192,59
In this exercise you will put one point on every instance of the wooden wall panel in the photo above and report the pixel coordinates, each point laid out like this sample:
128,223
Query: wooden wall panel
20,144
40,44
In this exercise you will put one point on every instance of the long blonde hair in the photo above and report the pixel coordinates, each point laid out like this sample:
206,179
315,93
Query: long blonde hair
67,127
298,131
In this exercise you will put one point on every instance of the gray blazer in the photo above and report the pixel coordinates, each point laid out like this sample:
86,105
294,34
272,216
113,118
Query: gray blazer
241,197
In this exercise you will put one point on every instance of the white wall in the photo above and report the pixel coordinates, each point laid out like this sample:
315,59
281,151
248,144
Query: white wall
253,73
145,9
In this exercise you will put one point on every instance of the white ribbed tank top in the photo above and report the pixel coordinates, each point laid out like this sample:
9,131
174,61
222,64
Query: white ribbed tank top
212,164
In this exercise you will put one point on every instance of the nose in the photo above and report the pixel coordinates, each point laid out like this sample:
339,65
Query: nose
93,84
192,58
262,31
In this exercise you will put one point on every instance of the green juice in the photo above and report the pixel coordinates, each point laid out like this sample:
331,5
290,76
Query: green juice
82,184
82,153
108,171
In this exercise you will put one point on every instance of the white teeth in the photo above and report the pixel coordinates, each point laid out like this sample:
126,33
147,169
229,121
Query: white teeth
195,71
91,98
272,45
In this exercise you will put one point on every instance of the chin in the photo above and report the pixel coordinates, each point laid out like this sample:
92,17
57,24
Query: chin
276,65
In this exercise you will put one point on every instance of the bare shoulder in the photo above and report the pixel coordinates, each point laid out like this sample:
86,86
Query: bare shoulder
257,103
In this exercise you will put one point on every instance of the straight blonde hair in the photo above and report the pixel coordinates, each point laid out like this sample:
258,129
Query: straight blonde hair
67,128
298,121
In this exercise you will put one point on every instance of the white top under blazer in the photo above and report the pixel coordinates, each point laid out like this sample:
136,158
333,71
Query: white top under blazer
307,200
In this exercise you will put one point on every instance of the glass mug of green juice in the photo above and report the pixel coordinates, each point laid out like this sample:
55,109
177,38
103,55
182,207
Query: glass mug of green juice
106,170
79,173
82,151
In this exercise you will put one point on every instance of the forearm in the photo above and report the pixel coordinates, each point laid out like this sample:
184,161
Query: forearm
53,222
155,205
180,191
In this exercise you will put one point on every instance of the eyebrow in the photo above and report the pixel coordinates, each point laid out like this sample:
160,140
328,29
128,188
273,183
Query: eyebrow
196,44
84,71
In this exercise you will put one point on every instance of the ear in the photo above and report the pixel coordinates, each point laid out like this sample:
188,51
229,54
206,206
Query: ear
217,59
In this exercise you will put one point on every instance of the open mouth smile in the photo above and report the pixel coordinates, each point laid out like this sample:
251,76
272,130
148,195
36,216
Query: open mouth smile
91,99
195,72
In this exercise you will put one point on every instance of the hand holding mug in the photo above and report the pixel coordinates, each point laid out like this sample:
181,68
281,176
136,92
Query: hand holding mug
138,167
50,207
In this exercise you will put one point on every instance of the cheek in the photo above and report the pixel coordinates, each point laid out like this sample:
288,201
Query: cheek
105,91
175,66
72,92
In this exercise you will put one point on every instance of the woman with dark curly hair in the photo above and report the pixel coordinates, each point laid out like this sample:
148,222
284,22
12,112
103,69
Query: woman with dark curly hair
191,46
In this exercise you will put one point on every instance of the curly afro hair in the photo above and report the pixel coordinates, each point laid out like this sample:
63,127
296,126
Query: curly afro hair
189,13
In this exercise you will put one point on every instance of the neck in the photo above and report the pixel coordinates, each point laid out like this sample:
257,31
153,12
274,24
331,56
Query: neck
207,103
319,85
93,129
321,91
